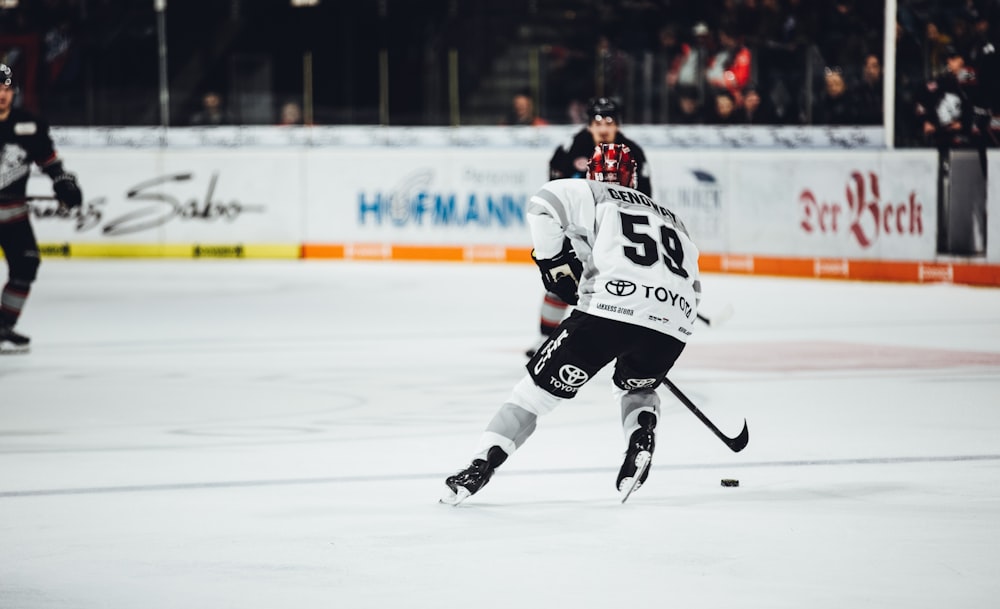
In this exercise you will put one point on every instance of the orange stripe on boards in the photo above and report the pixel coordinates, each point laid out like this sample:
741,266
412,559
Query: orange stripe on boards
978,274
519,254
319,250
428,253
876,270
861,270
787,267
827,268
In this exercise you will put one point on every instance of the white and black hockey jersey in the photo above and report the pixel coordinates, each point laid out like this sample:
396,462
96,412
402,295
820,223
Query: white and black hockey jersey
639,263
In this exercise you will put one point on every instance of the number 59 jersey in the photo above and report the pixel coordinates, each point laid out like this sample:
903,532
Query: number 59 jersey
639,263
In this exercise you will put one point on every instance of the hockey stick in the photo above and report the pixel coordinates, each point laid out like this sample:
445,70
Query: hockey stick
735,444
719,318
28,198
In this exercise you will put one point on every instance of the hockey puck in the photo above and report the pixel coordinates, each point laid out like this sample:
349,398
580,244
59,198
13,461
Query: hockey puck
730,482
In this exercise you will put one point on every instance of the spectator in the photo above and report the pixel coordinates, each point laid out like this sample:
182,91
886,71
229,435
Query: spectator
212,111
909,84
799,32
771,38
688,107
909,56
867,94
724,108
935,60
833,107
671,54
729,68
576,112
290,114
755,110
569,76
522,111
688,70
985,60
612,68
945,108
843,35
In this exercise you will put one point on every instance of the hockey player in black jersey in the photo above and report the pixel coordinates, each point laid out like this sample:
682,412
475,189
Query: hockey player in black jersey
604,128
631,269
24,139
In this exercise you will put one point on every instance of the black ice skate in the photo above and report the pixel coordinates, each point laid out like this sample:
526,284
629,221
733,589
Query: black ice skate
638,456
12,342
467,482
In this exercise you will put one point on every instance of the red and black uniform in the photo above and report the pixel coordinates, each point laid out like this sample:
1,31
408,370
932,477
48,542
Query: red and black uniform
24,139
572,163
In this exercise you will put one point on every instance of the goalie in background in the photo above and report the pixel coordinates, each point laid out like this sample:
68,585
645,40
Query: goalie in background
603,128
24,139
631,269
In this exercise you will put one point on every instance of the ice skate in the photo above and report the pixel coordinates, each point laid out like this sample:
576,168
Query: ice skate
12,342
638,456
470,480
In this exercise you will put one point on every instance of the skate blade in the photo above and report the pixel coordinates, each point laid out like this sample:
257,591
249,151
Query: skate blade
632,483
455,497
14,349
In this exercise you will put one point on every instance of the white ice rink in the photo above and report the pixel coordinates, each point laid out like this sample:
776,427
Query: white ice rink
275,435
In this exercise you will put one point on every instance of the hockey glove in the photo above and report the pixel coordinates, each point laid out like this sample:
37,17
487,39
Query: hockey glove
67,190
561,275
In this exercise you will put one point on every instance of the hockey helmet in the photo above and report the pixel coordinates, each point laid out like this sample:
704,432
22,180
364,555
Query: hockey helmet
601,109
613,163
6,75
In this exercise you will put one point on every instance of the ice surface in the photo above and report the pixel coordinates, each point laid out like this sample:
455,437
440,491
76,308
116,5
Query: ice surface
209,434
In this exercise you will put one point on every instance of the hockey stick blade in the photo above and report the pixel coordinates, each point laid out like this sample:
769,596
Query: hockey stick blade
735,444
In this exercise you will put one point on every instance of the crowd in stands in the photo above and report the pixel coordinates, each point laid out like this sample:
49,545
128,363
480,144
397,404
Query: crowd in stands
794,61
713,61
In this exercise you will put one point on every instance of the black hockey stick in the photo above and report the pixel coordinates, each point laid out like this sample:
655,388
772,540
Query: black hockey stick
28,198
735,444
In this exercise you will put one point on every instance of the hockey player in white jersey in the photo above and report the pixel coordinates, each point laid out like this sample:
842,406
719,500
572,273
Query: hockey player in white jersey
631,269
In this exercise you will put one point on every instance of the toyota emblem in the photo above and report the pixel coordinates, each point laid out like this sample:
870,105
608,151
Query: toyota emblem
573,376
618,287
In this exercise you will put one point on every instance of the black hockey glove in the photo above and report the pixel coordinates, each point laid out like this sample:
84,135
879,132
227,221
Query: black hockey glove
67,190
561,275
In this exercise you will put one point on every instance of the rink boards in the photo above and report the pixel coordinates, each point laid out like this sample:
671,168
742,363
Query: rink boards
845,213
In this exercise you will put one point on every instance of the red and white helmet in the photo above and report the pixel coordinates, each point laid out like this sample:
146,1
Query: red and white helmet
613,163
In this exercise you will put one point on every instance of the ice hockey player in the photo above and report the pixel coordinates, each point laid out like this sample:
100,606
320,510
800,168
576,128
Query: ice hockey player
604,128
24,139
629,266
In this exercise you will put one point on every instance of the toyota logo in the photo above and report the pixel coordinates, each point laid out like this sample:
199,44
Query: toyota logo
617,287
640,383
573,376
